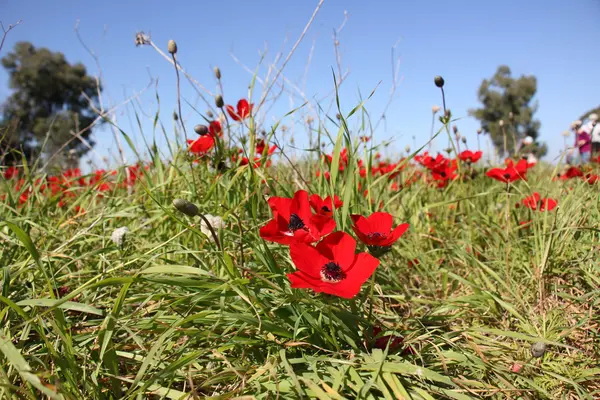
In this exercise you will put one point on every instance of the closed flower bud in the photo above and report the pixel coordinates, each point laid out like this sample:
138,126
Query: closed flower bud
455,129
479,131
186,207
219,101
501,122
439,81
464,140
538,349
338,116
209,114
201,129
217,72
175,116
435,109
511,116
172,47
407,148
447,113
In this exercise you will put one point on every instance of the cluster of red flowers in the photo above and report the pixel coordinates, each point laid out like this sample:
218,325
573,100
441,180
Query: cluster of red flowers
537,203
576,172
65,185
262,150
332,265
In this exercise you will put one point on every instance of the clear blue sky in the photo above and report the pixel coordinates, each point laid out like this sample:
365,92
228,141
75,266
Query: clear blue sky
464,41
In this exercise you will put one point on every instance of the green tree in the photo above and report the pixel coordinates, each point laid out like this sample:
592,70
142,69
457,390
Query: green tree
509,100
50,101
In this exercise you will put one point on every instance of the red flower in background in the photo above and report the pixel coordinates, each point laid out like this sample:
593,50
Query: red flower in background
444,172
202,145
326,175
215,129
535,202
261,147
376,230
511,173
11,172
591,178
293,221
243,110
572,172
470,157
332,266
325,206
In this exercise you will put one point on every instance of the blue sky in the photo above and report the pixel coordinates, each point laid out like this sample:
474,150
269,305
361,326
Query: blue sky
464,41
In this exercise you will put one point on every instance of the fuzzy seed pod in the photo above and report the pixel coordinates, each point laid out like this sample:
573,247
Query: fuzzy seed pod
435,109
217,73
184,206
501,123
439,81
219,101
201,129
172,47
407,148
511,116
538,349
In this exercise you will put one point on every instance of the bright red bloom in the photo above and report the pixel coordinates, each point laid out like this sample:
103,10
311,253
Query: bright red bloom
325,206
261,147
294,222
535,202
243,110
215,129
511,173
11,172
572,172
591,178
444,172
202,145
470,157
376,230
332,266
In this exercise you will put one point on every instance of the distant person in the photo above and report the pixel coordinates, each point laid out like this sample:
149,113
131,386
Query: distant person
583,142
593,128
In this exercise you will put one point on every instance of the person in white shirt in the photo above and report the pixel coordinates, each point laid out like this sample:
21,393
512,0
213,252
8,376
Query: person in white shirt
595,134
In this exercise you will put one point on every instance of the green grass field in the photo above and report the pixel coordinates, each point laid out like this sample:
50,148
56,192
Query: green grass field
165,311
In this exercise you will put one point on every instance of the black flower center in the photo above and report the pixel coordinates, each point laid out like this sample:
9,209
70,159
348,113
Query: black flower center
443,174
296,223
325,209
376,235
332,272
506,175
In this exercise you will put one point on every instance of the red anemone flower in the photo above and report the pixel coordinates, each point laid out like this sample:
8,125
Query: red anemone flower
376,230
325,206
535,202
243,110
591,178
11,172
202,145
444,172
215,129
332,266
511,173
293,221
572,172
469,156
